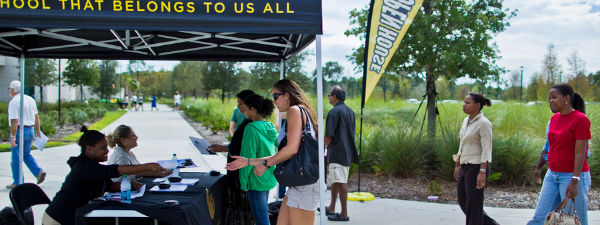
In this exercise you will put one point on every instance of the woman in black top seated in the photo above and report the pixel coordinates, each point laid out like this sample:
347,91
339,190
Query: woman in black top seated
238,200
89,179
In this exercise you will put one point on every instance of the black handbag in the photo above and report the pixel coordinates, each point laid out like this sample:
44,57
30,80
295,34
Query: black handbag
303,168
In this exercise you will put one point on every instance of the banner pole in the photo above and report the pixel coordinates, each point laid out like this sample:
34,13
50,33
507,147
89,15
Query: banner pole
364,87
20,130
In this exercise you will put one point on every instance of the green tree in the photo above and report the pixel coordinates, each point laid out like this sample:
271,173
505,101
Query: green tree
136,66
40,72
134,85
221,76
447,38
551,68
576,64
264,75
332,72
108,77
187,78
81,72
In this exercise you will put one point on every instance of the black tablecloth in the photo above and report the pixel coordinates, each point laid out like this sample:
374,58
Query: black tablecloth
202,204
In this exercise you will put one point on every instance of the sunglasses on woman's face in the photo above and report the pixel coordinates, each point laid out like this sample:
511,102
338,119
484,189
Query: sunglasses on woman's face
276,95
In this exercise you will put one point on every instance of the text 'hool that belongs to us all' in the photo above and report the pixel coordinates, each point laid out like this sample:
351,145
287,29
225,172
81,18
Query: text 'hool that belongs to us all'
150,6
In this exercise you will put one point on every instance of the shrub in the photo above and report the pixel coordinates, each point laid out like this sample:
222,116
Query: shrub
47,124
4,127
398,151
78,117
515,157
434,188
444,148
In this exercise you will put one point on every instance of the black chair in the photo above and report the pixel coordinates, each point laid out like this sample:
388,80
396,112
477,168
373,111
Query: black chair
23,197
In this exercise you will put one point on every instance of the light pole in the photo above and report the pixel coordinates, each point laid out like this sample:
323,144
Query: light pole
522,68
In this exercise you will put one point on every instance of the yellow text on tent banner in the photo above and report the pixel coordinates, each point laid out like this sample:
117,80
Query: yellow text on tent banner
389,22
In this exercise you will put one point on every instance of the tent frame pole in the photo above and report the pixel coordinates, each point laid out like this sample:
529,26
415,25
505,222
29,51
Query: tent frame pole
20,131
281,75
322,187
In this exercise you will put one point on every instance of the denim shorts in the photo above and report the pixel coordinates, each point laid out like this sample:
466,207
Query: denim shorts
304,197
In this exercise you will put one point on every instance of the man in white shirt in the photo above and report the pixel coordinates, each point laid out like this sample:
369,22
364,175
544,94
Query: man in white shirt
177,98
31,124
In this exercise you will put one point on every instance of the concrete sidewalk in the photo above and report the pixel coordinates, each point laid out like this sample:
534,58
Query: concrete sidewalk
162,133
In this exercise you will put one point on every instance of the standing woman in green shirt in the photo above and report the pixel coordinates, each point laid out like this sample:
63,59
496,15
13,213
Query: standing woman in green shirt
260,140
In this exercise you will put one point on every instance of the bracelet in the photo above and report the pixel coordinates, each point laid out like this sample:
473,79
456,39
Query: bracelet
575,177
248,161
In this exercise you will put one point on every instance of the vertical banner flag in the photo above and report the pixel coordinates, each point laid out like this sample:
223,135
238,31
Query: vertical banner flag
389,21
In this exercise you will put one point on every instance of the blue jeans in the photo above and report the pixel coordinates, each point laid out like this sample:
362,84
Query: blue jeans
258,204
554,191
27,158
281,191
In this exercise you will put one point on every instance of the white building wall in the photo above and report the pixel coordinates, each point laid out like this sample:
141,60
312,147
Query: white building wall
9,71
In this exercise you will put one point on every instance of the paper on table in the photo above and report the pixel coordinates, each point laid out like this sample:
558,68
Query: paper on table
40,142
134,194
180,163
189,182
173,188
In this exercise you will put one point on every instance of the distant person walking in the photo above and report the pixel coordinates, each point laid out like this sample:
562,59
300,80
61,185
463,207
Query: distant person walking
341,151
134,100
177,98
153,103
141,102
568,175
126,102
473,160
31,124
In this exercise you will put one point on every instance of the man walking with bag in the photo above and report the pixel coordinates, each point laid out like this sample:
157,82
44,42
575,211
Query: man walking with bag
31,121
341,151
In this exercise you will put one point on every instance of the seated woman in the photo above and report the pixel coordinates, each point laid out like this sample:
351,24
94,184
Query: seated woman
260,140
89,179
122,140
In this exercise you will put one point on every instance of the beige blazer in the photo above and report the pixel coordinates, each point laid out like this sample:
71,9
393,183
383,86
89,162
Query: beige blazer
475,141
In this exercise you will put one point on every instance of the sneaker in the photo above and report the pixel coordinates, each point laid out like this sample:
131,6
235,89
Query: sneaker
41,177
337,217
11,186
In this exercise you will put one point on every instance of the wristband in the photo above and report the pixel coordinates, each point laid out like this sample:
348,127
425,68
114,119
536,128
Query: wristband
575,177
12,136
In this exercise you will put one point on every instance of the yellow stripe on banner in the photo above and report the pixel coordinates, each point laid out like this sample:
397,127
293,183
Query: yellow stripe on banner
390,21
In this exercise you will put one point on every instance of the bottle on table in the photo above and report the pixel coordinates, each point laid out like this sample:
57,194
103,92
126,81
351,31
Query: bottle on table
125,190
174,157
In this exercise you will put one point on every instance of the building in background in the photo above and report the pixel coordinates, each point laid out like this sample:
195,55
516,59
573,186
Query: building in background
9,71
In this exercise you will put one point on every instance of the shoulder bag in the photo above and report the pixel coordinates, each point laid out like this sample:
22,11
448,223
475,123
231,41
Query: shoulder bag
303,168
559,218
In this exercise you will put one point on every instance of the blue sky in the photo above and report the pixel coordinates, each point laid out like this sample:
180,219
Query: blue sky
568,24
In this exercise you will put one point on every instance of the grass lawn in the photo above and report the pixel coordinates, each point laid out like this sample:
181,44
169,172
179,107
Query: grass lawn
108,119
50,144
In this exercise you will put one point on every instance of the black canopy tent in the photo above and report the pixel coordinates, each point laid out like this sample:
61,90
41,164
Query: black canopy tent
190,30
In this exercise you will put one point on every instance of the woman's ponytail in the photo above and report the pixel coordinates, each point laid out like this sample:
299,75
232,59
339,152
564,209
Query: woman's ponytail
267,107
578,103
263,106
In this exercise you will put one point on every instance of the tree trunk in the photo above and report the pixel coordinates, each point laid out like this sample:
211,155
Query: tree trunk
431,109
42,98
81,92
222,96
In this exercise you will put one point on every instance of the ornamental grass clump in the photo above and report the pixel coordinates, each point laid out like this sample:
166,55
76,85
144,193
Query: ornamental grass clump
515,157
